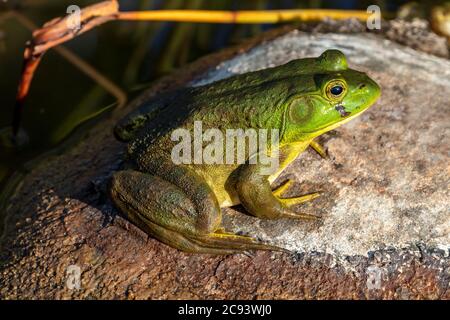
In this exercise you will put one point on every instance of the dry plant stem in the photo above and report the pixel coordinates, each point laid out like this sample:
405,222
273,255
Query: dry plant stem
244,17
52,34
29,67
58,31
82,65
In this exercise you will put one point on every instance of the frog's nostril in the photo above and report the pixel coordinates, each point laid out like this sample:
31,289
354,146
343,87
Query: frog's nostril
361,86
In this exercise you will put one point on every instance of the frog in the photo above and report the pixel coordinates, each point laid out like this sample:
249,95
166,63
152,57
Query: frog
180,203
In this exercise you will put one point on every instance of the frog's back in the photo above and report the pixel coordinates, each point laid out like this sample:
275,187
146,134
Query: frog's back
171,109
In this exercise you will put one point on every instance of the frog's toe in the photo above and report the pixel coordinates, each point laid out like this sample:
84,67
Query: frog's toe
219,243
184,243
277,192
289,202
301,216
321,150
231,241
250,254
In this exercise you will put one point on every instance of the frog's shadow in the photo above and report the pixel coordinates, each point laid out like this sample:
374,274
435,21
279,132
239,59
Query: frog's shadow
98,198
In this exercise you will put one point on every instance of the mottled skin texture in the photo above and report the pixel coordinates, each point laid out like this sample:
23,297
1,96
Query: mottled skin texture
179,204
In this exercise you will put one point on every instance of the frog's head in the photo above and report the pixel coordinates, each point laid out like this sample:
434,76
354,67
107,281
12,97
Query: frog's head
336,95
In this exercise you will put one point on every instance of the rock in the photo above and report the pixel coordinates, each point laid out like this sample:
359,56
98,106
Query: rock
417,34
385,228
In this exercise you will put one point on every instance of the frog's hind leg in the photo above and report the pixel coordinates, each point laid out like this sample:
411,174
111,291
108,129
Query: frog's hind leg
186,218
176,239
212,243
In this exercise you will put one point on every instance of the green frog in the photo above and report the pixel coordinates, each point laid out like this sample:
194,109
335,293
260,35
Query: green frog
179,202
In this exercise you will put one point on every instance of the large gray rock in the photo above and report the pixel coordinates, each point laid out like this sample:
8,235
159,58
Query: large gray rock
385,227
388,179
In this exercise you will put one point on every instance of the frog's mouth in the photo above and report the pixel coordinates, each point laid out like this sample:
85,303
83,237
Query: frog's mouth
340,108
344,114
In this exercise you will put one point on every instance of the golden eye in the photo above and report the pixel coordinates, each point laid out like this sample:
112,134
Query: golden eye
335,89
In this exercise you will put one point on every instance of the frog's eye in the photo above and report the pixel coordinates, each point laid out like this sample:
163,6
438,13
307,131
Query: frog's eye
335,89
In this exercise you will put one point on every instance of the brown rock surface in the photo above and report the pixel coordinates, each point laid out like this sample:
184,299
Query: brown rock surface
385,207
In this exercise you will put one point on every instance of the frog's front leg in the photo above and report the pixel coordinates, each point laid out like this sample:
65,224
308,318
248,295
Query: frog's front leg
178,209
278,192
257,197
